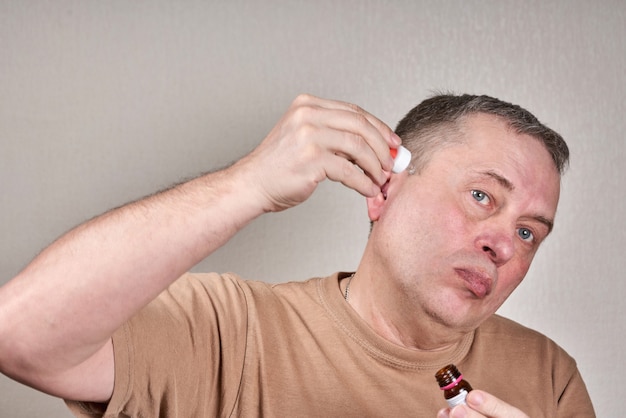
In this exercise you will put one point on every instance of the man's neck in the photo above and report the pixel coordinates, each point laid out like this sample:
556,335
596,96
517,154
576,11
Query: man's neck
408,327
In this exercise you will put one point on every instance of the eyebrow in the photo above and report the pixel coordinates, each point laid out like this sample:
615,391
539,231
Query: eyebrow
547,222
506,183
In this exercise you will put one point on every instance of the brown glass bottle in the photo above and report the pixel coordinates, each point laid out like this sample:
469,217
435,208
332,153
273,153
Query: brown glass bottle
455,389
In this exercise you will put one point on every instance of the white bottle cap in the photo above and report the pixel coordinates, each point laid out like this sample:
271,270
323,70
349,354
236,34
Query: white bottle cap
401,160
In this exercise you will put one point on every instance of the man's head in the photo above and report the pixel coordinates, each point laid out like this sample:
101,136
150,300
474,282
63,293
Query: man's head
437,121
451,242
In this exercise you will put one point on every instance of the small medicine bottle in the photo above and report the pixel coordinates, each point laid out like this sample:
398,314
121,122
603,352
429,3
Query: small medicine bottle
455,389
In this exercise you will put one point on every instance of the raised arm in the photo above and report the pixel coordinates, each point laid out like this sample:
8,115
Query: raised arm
57,316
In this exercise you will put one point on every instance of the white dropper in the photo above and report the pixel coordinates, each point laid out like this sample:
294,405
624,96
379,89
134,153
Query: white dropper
401,157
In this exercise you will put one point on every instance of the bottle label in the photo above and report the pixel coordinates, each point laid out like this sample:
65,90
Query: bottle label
458,399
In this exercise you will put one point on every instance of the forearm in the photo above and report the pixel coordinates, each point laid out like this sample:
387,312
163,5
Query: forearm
67,303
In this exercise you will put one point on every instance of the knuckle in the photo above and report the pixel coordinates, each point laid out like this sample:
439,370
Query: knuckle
361,120
355,108
302,99
303,131
363,125
303,114
357,144
307,148
347,170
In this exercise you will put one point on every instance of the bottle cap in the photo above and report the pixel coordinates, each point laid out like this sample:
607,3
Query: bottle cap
402,159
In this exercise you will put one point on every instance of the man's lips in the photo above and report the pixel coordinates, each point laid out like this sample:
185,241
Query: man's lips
478,282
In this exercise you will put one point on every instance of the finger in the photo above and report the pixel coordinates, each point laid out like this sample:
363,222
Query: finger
307,99
348,134
444,413
357,150
351,118
387,133
490,406
385,130
347,173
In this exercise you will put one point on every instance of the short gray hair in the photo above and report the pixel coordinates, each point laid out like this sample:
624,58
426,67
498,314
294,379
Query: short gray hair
436,122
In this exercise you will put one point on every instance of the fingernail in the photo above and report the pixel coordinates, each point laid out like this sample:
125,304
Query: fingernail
396,139
475,398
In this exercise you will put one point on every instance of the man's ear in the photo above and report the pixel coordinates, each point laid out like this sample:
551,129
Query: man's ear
376,204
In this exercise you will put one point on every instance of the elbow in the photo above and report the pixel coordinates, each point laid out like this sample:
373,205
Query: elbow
21,356
16,361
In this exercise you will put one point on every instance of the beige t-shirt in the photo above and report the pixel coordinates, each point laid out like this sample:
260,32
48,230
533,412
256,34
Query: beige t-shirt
216,345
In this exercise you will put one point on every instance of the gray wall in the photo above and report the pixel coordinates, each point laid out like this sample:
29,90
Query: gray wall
105,101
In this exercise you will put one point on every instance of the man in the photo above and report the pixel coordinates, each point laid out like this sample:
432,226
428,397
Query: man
451,238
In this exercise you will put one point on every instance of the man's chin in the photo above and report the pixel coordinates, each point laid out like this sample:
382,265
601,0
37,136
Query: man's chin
461,317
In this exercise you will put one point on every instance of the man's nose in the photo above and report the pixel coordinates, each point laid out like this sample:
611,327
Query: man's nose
497,240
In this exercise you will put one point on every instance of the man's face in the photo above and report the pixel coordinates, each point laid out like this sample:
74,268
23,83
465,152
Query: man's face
458,237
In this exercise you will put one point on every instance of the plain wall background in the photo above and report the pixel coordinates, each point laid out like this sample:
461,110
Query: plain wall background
102,102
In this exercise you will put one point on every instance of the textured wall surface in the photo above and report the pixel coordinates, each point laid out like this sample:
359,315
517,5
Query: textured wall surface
103,102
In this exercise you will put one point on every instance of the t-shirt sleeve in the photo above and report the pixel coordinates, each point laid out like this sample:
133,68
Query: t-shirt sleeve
180,356
575,400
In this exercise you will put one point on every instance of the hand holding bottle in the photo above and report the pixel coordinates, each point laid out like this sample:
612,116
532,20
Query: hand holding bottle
480,404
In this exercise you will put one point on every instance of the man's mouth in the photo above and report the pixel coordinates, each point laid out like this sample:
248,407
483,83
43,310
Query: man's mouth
478,282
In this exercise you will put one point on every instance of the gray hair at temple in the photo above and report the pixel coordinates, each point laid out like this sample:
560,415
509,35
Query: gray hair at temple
437,121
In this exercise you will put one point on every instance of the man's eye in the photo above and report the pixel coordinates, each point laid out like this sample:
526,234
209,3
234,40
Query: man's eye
481,197
525,234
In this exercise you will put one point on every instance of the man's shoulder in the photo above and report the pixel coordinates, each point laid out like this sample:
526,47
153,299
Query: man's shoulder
251,292
499,324
503,327
511,336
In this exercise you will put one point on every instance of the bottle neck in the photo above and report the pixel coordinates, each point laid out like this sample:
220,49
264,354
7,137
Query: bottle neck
455,381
